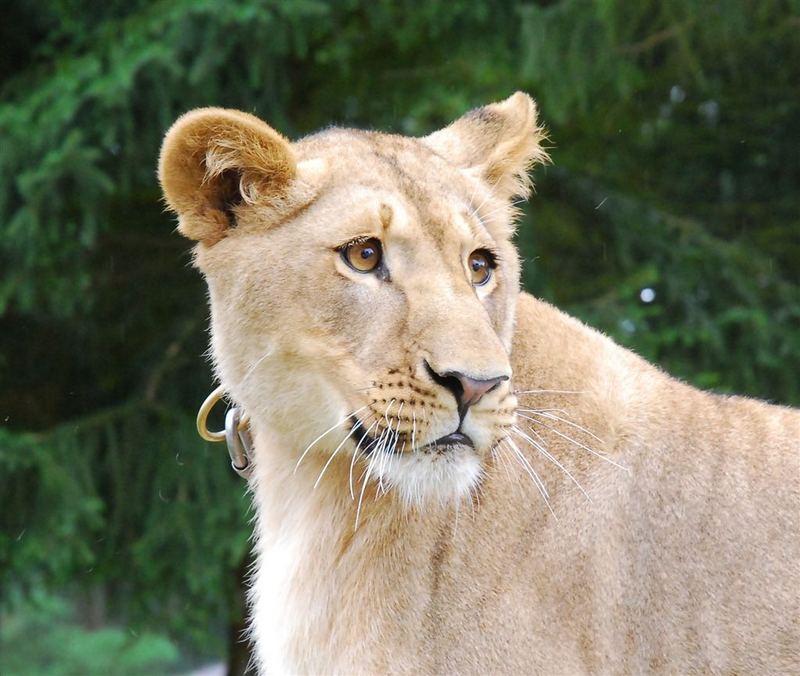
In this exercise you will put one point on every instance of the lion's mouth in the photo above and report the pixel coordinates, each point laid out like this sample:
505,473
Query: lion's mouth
452,439
394,442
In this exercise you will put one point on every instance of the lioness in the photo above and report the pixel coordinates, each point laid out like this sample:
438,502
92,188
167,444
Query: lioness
451,476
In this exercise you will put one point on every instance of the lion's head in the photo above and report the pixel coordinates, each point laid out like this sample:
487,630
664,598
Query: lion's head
362,285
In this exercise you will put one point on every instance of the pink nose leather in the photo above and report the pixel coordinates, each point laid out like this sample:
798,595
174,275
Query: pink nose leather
473,390
466,390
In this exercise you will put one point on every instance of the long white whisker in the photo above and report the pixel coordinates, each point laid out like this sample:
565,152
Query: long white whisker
491,194
355,455
377,450
397,429
523,461
386,410
509,207
386,454
363,488
336,450
396,438
328,431
550,392
551,416
532,473
517,454
471,201
539,447
507,468
602,456
373,445
538,436
255,366
537,481
383,447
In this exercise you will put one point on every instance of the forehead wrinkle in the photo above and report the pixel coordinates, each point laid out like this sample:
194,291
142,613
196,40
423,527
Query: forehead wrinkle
404,164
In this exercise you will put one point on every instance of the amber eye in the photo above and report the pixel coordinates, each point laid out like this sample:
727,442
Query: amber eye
480,265
363,255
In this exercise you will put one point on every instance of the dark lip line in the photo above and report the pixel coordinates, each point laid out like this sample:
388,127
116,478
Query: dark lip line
366,443
454,438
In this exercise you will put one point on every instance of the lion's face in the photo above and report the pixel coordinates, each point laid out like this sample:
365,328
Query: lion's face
363,285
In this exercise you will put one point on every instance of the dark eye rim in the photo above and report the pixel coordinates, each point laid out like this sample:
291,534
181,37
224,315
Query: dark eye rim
344,248
491,260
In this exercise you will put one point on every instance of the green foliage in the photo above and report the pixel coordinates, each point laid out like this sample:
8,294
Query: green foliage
674,138
81,509
717,302
62,648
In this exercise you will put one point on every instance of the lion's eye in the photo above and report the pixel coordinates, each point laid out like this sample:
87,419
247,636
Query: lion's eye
480,265
364,255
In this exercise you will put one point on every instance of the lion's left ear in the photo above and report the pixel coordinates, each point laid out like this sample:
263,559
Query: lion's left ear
500,142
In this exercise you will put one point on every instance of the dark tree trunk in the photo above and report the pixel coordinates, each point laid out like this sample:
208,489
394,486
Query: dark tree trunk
239,647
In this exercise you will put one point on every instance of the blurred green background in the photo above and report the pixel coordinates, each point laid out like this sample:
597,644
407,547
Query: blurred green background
670,219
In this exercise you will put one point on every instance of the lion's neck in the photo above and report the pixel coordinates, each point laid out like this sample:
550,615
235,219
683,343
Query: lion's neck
319,548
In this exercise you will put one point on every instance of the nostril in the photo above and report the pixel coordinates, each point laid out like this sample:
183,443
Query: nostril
449,381
497,382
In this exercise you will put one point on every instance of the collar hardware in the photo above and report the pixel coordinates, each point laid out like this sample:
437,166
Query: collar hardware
236,434
239,442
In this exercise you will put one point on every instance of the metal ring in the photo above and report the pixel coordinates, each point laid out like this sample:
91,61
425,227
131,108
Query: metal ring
205,410
202,416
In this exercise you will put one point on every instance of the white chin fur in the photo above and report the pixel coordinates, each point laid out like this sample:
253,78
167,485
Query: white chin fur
419,478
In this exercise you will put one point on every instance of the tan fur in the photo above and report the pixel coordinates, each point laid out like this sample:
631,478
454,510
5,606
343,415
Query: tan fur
683,557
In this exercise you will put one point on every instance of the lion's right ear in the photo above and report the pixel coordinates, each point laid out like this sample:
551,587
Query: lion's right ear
499,142
213,160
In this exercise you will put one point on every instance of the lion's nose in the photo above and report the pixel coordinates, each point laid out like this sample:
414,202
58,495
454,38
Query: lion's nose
465,389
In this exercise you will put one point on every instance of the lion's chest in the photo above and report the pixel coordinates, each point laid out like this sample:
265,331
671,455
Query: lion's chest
315,609
281,611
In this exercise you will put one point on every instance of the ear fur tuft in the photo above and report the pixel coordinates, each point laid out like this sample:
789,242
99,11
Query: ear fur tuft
213,160
500,141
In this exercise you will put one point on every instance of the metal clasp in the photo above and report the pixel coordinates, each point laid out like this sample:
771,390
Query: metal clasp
240,443
236,434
